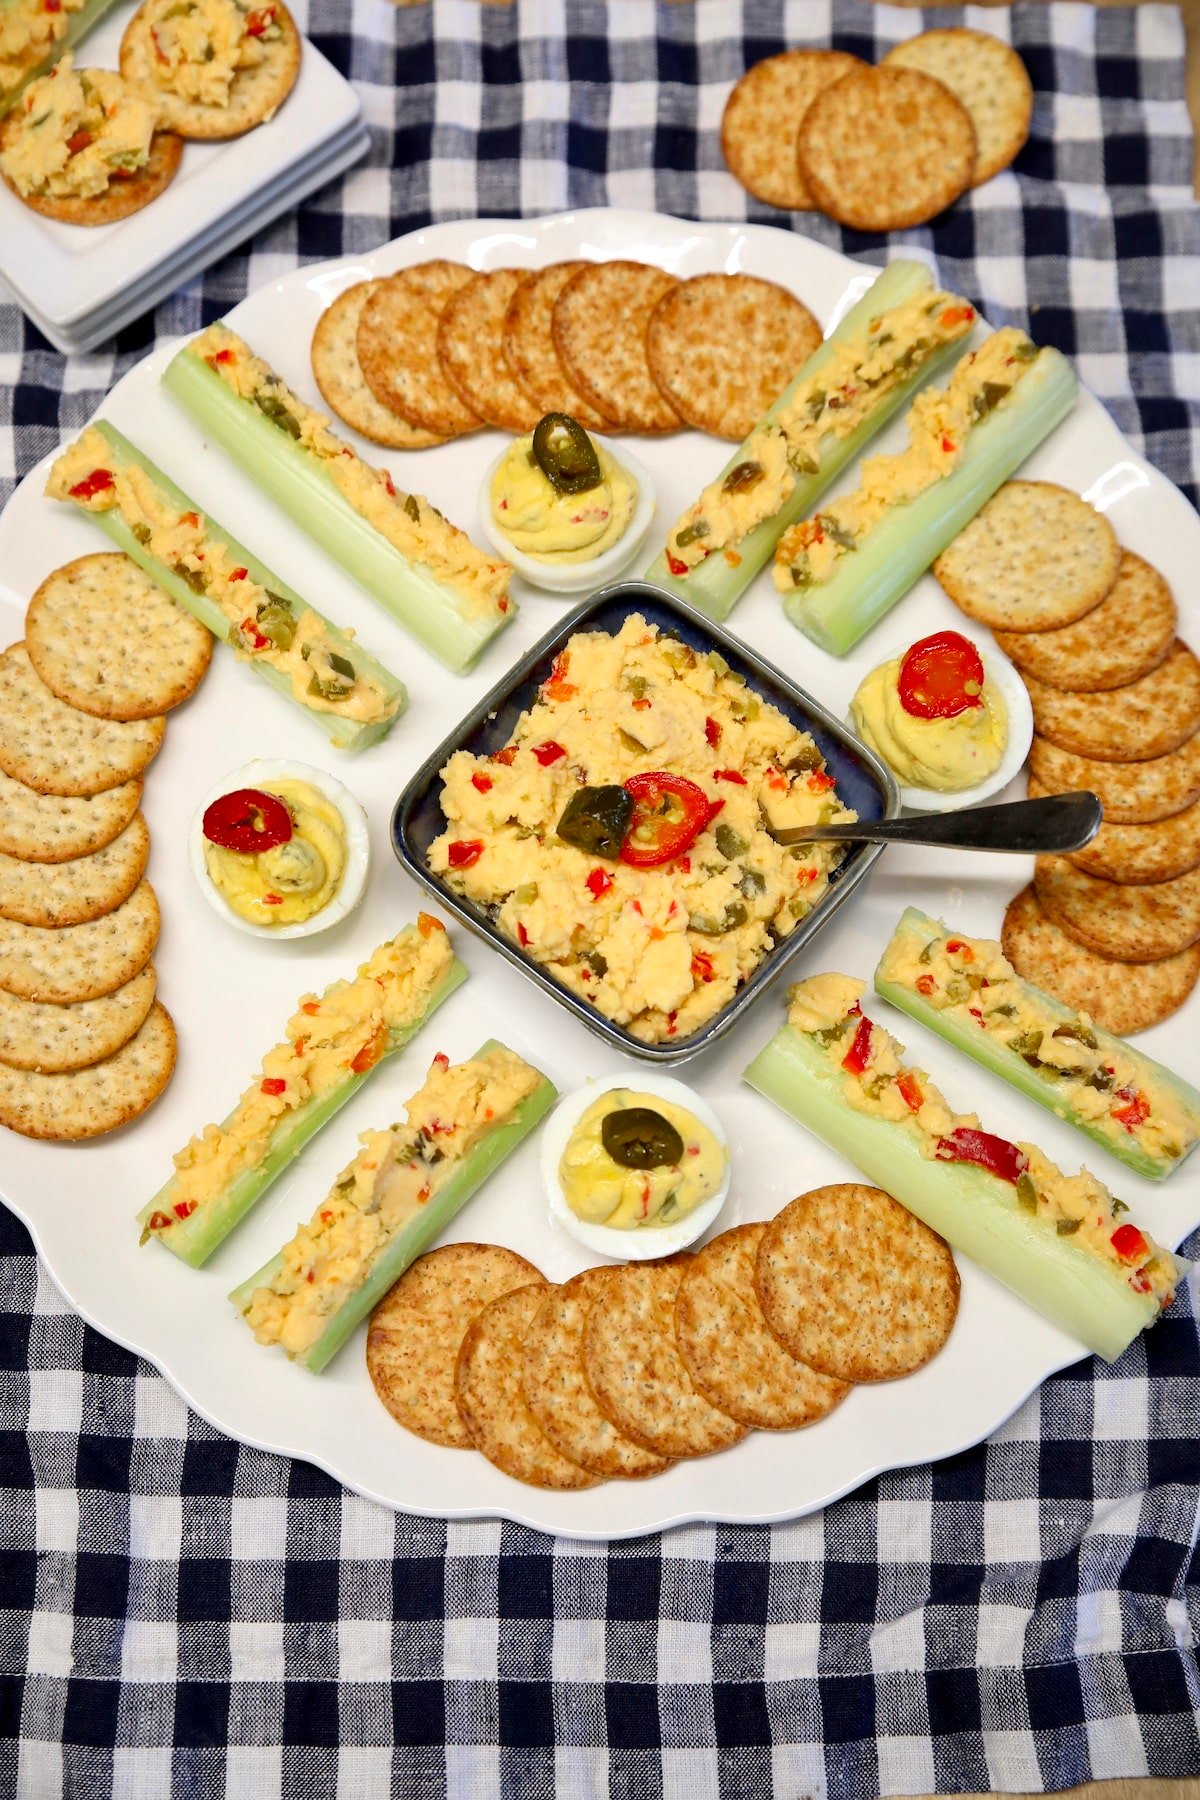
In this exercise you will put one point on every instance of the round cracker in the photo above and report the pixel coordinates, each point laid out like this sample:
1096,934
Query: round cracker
1035,558
343,385
762,117
397,347
529,346
1133,793
635,1372
255,94
418,1327
470,344
105,638
856,1286
881,149
556,1388
85,1103
487,1390
599,328
1120,997
57,827
732,1355
1130,924
1132,855
1128,634
1135,723
69,893
80,962
123,195
34,1035
990,80
723,347
57,749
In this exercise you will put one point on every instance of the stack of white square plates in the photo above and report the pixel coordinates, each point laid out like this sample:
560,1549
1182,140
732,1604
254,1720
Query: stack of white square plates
82,284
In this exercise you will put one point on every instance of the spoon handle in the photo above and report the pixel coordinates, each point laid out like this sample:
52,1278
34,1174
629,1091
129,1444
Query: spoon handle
1050,826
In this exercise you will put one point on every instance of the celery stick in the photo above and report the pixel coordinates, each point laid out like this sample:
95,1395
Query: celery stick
439,617
867,582
973,1210
417,1235
714,585
195,1238
346,734
78,25
1011,1066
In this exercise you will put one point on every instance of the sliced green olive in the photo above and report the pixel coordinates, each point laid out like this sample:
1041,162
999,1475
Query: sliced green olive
637,1137
730,843
596,820
742,477
277,621
566,454
691,534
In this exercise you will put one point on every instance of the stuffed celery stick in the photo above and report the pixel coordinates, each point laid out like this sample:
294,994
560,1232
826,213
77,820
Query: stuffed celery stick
345,690
452,596
844,567
867,367
34,34
333,1042
966,990
1059,1241
402,1189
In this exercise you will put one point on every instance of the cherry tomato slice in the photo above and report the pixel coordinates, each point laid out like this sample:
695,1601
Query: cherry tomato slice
941,676
995,1154
248,821
669,813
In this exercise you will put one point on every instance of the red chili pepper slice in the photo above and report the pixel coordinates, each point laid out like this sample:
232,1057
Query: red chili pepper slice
549,752
481,783
669,813
598,883
995,1154
247,821
1136,1110
857,1056
465,852
98,482
712,732
910,1091
274,1085
941,676
1129,1243
730,775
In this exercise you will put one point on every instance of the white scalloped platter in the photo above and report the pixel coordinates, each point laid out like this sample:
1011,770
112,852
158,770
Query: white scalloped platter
230,994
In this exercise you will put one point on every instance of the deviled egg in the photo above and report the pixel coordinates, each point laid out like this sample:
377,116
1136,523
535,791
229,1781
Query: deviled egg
280,849
635,1167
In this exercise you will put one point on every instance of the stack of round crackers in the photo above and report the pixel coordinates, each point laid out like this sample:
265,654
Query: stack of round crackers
438,350
878,148
1114,928
85,1045
626,1368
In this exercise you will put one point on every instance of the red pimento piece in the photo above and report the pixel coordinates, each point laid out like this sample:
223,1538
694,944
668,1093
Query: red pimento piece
656,836
978,1017
272,900
671,1018
257,22
481,783
642,705
183,1209
925,984
388,483
254,637
465,853
224,356
522,935
247,821
507,756
714,807
548,753
274,1085
730,775
1129,1243
98,482
676,567
558,687
1136,1110
702,967
78,140
712,732
995,1154
426,925
158,1221
958,315
311,1007
598,883
441,1060
910,1091
819,782
238,574
948,446
858,1055
502,604
940,677
956,947
371,1051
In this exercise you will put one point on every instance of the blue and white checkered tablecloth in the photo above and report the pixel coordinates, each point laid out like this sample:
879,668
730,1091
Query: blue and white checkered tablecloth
181,1616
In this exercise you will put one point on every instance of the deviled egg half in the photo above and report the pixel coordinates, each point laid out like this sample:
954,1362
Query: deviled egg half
568,509
280,849
952,720
635,1166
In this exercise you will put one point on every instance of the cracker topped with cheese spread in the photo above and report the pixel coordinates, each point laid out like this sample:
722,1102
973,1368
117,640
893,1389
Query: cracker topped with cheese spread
213,68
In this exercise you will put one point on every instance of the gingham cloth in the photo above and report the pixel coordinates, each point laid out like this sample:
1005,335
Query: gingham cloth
183,1616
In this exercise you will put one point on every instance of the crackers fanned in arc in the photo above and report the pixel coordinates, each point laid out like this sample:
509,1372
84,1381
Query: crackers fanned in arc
1144,719
723,347
599,327
762,117
470,342
37,1035
55,828
1132,793
70,893
884,148
121,198
109,641
856,1286
80,962
1129,924
57,749
255,93
1035,558
1128,634
990,80
1133,855
529,345
85,1103
339,376
1121,997
397,347
417,1329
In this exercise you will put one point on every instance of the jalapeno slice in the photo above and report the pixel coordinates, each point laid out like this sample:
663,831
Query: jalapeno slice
637,1137
247,821
596,820
566,454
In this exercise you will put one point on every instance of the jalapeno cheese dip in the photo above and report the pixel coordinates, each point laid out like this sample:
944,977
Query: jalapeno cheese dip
933,716
636,1160
74,132
275,865
29,30
195,48
559,496
618,837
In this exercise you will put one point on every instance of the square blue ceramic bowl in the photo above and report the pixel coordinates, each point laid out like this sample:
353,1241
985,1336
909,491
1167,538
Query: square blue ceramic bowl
863,782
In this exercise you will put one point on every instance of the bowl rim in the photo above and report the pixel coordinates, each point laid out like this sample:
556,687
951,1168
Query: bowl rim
638,593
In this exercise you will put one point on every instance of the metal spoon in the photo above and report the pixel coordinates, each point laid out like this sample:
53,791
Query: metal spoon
1058,823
